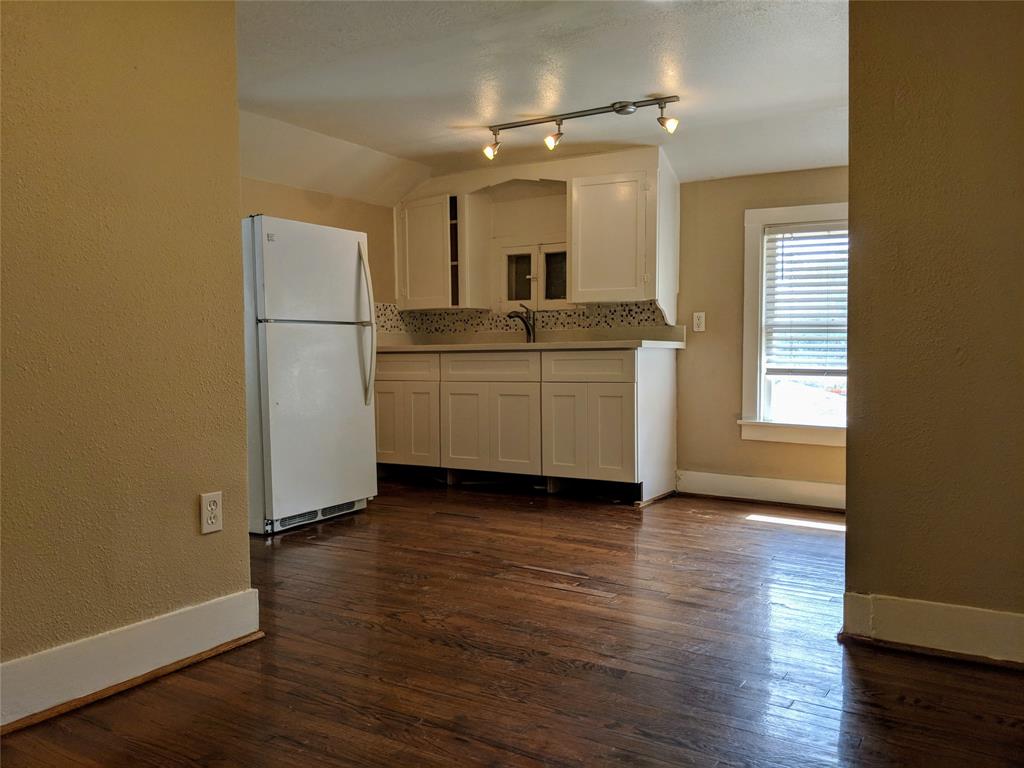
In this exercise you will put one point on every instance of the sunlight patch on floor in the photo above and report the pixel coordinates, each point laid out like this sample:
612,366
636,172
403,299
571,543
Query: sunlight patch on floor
797,522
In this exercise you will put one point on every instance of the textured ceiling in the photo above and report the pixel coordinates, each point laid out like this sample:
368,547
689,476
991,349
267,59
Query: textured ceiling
763,85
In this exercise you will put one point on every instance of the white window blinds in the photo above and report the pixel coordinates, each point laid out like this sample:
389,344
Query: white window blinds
805,289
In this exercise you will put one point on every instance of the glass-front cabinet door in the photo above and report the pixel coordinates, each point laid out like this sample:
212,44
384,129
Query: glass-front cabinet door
534,275
520,279
554,276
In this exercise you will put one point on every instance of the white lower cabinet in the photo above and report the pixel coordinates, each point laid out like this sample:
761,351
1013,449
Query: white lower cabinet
514,426
611,419
565,430
599,414
422,422
387,407
465,425
589,430
491,426
407,422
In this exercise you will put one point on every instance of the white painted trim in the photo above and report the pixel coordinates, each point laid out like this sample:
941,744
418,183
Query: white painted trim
830,495
42,680
961,629
754,222
806,434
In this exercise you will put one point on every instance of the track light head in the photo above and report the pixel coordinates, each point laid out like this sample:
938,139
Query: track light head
492,149
668,123
551,140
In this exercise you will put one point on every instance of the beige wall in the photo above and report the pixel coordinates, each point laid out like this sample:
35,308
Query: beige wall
123,388
319,208
711,368
936,456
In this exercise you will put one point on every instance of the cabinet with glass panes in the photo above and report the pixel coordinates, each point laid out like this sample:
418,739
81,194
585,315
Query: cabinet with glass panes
527,246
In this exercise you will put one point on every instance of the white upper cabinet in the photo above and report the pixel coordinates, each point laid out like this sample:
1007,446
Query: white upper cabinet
424,271
434,269
593,229
609,238
624,237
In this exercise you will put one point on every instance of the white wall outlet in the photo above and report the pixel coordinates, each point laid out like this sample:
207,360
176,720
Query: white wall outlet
698,322
211,512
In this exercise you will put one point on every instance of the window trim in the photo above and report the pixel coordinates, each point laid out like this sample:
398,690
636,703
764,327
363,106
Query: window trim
751,426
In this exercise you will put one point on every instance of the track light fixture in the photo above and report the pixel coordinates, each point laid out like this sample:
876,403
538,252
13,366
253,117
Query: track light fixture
492,149
668,123
619,107
551,140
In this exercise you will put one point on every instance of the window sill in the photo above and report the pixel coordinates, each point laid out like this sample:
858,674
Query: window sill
773,432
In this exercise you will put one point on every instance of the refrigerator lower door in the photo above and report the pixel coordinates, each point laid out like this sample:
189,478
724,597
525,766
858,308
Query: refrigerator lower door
319,443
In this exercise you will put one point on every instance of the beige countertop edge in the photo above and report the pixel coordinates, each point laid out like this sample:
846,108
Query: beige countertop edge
538,346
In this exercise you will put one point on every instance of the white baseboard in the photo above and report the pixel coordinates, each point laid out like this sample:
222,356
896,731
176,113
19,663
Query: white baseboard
830,495
960,629
42,680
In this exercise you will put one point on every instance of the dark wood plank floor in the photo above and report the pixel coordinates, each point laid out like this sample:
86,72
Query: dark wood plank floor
463,628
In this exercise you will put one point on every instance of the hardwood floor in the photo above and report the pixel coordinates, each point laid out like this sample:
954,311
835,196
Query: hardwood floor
463,628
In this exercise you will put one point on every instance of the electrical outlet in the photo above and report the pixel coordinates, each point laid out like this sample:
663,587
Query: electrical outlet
698,322
211,512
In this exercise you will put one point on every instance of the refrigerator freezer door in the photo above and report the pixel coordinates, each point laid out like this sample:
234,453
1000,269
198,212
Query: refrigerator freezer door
318,433
308,272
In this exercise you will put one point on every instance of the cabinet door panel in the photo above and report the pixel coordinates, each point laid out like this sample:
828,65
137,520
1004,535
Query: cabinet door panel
565,430
608,248
388,414
408,366
602,365
611,416
515,427
490,366
464,425
424,282
421,401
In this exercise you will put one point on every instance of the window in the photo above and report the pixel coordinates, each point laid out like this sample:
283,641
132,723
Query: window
794,342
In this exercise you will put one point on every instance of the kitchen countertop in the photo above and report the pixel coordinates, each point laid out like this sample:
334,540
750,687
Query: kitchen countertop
538,346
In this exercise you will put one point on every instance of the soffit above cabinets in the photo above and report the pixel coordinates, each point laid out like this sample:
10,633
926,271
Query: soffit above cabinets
763,85
524,189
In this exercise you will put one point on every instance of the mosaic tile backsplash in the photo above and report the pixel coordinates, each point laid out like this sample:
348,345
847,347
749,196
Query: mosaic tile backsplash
627,315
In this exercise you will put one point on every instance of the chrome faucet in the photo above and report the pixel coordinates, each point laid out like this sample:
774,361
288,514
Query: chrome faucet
529,320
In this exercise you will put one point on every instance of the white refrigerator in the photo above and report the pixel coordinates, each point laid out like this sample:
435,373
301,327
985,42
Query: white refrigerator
310,339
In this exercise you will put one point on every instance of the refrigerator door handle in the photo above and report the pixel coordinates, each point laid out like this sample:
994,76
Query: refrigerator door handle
372,379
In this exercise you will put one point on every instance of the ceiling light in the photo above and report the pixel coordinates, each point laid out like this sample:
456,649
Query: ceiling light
668,123
492,149
551,140
618,107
